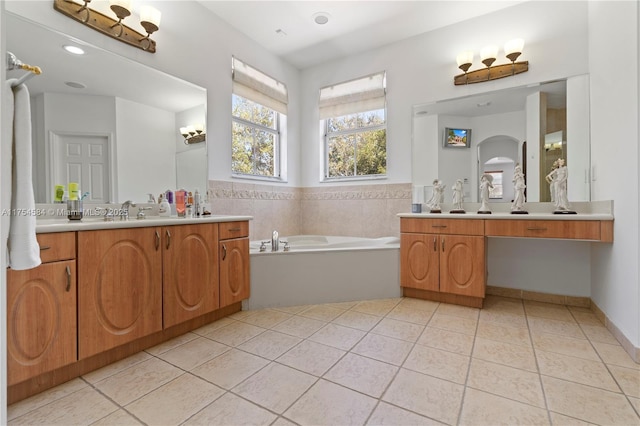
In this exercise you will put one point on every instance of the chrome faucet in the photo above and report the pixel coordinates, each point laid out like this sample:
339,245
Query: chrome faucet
124,210
275,241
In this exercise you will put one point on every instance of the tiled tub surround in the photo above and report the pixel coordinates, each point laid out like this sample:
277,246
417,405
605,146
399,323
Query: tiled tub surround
355,210
394,361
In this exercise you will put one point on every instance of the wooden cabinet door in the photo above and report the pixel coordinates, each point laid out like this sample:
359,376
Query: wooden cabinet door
234,271
120,287
462,265
419,261
190,285
41,319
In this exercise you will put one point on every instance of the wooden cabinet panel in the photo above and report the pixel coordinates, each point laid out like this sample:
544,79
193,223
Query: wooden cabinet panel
57,246
230,230
443,226
564,229
190,274
120,291
234,271
462,265
41,319
419,261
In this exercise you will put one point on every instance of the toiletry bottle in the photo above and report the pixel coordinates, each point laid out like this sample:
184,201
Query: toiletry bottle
180,203
189,206
74,191
196,203
58,194
165,208
172,204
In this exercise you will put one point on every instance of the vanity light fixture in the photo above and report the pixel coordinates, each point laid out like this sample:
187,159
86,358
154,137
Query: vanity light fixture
149,20
488,55
193,134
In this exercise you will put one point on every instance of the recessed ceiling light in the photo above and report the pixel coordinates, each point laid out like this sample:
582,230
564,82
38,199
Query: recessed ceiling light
75,84
321,18
73,49
280,32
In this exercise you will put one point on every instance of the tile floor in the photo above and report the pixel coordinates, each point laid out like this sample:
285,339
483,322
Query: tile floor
379,362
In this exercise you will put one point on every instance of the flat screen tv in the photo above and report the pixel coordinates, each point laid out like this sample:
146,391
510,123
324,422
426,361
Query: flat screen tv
457,138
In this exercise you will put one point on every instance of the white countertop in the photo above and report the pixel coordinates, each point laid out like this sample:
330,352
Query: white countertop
93,223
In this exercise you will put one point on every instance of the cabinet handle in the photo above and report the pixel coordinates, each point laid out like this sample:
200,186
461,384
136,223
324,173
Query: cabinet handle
438,226
224,252
535,228
168,234
43,248
435,244
68,288
157,240
443,244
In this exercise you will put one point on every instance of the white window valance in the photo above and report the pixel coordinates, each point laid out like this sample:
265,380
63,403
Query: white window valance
255,85
359,95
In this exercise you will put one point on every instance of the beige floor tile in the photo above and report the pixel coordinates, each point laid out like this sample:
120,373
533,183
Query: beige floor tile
587,372
322,313
615,354
337,336
547,310
235,334
329,404
176,401
435,362
293,310
481,408
419,304
446,340
206,329
311,357
270,344
508,382
636,403
563,328
588,403
194,353
457,324
359,320
299,326
275,387
171,344
345,306
379,307
390,415
399,329
282,422
266,318
599,333
628,379
458,311
405,312
586,317
502,305
230,409
116,367
230,368
426,395
120,417
562,420
503,333
383,348
362,374
82,407
517,356
240,315
138,380
558,344
504,318
22,407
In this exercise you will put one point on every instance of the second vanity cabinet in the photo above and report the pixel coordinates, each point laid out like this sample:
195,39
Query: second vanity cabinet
234,262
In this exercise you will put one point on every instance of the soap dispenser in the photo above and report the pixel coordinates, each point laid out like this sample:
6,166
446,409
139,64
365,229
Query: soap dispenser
165,208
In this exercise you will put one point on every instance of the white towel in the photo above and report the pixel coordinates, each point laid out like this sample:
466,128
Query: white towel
24,251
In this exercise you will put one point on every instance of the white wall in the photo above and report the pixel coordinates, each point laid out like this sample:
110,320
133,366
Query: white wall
613,39
5,197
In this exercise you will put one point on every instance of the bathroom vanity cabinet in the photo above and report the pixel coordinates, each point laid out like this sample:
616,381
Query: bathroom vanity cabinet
138,284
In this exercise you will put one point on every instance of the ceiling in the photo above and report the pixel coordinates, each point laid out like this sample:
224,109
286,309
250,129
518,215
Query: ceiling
353,26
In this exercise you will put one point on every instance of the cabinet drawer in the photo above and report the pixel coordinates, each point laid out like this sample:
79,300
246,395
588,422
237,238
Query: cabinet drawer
564,229
57,246
230,230
442,226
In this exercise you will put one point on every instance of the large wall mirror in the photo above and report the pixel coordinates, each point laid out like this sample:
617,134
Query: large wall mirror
532,126
105,121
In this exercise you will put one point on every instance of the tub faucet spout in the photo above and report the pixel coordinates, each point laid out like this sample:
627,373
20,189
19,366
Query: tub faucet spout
275,241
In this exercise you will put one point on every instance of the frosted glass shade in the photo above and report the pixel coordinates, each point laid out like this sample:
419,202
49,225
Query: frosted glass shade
150,14
488,52
513,46
465,57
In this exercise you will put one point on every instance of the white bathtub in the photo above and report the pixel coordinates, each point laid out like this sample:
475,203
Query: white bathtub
324,269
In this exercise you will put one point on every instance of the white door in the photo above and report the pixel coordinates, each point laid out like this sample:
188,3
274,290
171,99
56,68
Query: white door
83,159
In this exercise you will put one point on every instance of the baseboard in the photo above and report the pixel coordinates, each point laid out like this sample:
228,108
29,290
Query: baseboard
583,302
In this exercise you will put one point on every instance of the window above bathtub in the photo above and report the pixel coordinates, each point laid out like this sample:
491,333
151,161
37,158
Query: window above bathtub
353,117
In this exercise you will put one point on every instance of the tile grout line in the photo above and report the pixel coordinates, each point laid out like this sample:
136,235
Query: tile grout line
466,379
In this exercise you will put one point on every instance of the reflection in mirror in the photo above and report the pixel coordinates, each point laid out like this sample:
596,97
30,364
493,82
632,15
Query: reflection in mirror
105,121
532,125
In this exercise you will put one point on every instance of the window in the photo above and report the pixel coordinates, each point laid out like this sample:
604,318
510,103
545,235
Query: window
496,191
355,142
258,109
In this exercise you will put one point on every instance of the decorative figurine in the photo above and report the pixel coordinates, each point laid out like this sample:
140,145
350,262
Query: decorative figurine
550,178
458,197
558,185
437,197
486,183
517,207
